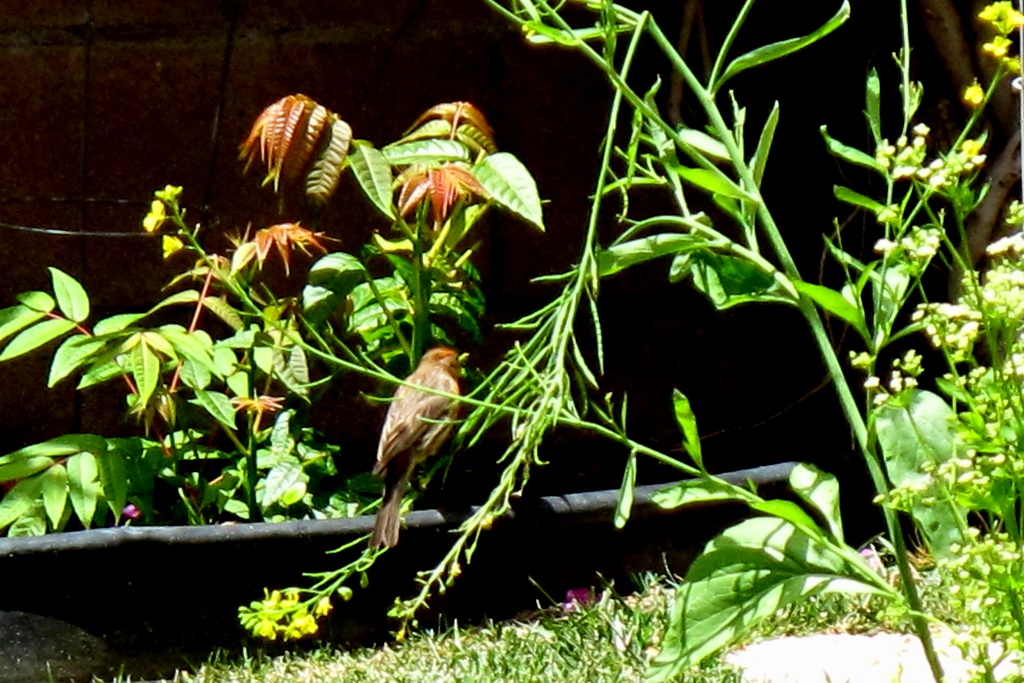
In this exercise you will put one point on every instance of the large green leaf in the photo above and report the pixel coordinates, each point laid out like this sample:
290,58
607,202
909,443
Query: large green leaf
17,318
72,300
625,254
915,435
331,279
425,152
74,352
729,280
84,486
746,574
55,494
770,53
836,304
68,444
24,467
372,170
510,184
113,476
145,367
35,336
218,405
285,484
820,490
19,500
696,492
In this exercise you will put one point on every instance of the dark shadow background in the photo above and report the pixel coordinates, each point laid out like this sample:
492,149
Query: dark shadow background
107,100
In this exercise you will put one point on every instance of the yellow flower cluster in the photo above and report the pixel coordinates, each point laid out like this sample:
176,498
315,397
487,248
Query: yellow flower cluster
284,616
1005,19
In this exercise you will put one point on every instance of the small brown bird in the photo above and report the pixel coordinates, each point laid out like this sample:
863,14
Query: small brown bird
416,426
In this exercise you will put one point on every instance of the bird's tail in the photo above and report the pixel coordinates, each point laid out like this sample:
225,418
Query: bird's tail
385,530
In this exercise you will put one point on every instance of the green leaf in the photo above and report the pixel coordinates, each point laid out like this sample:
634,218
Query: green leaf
145,368
770,53
196,346
373,172
68,444
17,318
19,500
116,323
55,494
791,512
873,108
430,151
728,281
714,181
32,523
114,480
687,422
291,368
820,490
71,297
84,486
510,184
74,352
285,484
38,335
625,254
746,574
889,292
218,405
836,304
912,435
764,145
24,467
851,154
845,194
323,176
625,503
331,279
704,143
223,310
697,491
40,302
195,375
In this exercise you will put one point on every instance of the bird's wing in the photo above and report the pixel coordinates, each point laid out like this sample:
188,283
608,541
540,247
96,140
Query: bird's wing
401,431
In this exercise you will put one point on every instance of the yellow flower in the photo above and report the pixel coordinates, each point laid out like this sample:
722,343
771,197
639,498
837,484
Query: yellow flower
974,94
998,46
265,629
323,607
971,147
1003,16
156,216
171,245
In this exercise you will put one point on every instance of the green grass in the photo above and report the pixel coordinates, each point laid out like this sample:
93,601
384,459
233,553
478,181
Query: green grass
611,639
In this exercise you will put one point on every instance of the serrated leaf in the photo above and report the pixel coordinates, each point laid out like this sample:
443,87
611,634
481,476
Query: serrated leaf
373,172
35,336
84,486
73,353
71,297
429,151
145,369
323,176
510,184
55,494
